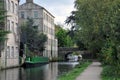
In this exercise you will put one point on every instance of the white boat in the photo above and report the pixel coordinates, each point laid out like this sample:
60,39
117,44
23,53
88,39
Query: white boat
72,57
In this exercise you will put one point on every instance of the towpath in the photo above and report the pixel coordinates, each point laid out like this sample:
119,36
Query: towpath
92,72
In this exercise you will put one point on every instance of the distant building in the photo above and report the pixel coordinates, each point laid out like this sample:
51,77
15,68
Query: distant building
10,55
45,22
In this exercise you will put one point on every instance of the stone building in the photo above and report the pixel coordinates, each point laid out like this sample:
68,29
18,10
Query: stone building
45,22
10,55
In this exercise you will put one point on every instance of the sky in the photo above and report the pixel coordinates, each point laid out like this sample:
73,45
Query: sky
61,9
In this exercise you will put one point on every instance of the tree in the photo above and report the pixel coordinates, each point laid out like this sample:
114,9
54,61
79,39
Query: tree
64,40
30,36
3,33
98,21
99,28
73,32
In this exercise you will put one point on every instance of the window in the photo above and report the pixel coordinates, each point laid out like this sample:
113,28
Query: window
16,28
12,27
16,53
35,14
22,14
53,32
12,52
8,52
49,30
44,15
47,17
50,42
16,8
12,5
8,25
51,21
45,29
9,5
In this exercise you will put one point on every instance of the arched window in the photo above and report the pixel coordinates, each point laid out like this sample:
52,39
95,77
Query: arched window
12,6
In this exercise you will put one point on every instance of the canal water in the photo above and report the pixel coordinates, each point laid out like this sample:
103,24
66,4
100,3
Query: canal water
49,71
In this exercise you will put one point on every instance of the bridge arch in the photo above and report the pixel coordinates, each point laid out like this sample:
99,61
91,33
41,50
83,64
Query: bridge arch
66,55
63,52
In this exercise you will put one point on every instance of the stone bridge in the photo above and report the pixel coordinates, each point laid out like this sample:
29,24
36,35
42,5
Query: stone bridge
64,51
67,49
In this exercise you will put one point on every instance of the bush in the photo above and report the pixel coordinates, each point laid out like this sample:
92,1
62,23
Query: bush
109,73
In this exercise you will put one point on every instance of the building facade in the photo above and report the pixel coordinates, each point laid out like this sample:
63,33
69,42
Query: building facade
45,22
10,54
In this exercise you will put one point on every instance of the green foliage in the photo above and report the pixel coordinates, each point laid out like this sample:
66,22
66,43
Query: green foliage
90,24
109,53
64,40
3,37
61,35
78,41
97,20
3,33
2,13
99,29
109,73
30,36
69,41
109,56
57,27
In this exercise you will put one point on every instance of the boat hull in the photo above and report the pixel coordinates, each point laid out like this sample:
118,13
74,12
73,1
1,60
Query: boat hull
35,61
29,65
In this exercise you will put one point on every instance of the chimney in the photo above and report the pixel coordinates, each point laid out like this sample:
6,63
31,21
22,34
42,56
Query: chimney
29,1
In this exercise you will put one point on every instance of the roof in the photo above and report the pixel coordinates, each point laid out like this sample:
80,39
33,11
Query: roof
40,7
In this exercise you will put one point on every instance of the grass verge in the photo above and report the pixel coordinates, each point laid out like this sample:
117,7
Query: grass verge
75,72
108,73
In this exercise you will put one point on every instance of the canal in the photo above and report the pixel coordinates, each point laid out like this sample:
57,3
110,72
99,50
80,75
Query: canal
49,71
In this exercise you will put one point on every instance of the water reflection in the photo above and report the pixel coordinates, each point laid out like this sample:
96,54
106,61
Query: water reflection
64,67
9,74
46,72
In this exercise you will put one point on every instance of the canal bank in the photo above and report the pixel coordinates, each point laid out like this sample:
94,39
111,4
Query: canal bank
75,72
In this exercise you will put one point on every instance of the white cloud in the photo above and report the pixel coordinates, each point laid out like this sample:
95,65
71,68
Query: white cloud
62,14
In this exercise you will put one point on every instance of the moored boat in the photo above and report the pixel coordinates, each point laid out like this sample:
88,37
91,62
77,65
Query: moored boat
35,61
